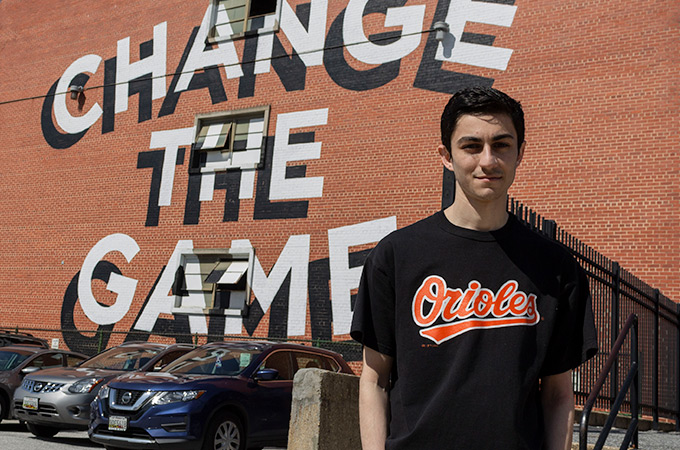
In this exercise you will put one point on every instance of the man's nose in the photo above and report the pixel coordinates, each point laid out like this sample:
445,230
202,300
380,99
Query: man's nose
488,157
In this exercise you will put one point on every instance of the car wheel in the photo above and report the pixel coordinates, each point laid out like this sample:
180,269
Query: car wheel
43,431
3,407
225,433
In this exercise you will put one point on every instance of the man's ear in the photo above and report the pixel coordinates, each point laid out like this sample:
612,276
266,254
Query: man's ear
445,155
520,153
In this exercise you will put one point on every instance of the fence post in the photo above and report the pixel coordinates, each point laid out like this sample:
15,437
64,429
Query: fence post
101,341
677,372
635,390
550,227
616,281
655,364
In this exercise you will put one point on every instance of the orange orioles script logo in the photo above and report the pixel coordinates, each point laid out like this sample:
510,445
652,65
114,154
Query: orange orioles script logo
476,308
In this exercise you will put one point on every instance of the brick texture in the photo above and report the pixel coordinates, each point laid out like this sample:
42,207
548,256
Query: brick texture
595,78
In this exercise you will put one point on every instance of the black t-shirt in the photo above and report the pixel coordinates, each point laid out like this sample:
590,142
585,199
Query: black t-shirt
473,320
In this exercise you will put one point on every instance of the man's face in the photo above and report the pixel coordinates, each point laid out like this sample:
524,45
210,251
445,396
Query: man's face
484,156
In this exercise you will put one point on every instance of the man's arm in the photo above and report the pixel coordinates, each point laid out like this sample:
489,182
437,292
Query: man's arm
557,398
374,410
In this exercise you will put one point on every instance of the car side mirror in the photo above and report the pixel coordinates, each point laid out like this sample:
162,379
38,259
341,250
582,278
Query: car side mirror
266,375
27,370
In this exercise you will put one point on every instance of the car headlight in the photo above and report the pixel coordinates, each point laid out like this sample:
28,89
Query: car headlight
163,398
85,385
104,392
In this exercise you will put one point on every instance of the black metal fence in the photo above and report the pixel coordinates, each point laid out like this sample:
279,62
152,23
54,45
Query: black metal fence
617,293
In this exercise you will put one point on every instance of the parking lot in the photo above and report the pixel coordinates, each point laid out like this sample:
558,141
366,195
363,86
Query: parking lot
15,436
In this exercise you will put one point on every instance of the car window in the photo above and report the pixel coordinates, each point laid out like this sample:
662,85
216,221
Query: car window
214,361
121,358
280,361
167,358
10,360
72,360
304,360
47,360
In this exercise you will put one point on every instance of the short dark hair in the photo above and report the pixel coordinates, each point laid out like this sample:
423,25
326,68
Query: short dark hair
477,101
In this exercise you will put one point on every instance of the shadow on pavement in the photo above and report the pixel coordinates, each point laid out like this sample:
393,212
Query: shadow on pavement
73,439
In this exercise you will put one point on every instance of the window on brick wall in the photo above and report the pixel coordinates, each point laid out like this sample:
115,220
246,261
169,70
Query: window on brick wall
230,19
229,140
213,281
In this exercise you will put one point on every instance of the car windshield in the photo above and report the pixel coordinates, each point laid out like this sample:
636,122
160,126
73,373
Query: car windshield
121,358
10,360
215,361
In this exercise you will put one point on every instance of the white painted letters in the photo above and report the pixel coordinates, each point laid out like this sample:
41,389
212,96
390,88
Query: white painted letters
409,18
462,11
160,302
199,58
67,122
170,140
294,258
282,188
154,65
123,286
344,278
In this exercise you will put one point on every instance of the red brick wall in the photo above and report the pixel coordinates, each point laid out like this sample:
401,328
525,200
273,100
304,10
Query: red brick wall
596,81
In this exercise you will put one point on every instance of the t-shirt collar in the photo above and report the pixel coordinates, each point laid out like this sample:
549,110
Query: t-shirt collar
467,233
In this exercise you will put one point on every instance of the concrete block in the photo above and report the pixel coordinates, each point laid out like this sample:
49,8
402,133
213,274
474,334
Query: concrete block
325,411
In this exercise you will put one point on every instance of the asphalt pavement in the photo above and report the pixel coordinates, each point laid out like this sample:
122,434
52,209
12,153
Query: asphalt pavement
14,436
647,440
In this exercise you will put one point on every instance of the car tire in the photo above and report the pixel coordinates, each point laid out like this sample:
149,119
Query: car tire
225,433
4,407
43,431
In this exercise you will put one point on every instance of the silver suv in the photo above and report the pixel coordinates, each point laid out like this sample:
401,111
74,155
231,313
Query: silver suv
59,399
16,361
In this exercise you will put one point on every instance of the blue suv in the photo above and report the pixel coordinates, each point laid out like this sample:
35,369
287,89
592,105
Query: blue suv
227,395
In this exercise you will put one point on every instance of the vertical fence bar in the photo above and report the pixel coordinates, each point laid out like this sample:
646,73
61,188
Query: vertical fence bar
635,391
655,363
616,291
677,371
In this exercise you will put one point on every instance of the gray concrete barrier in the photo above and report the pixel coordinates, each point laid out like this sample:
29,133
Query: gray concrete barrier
325,411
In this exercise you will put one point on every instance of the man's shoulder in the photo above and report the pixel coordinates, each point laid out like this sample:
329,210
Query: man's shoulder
406,239
537,243
420,228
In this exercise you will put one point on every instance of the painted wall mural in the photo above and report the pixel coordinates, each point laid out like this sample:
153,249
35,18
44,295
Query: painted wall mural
296,287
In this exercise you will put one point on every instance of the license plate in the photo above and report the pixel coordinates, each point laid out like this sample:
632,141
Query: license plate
30,403
118,423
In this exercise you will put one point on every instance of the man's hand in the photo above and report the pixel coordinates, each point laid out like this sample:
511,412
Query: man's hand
374,400
557,398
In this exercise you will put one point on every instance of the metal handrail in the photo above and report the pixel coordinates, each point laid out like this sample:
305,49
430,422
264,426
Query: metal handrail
631,382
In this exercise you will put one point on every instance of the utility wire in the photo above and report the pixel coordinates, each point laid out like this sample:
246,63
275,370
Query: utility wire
220,66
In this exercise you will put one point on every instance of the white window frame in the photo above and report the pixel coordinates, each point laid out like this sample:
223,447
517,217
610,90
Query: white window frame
221,159
268,28
197,265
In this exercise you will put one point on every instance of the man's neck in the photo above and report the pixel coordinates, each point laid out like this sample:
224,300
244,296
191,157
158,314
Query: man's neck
483,217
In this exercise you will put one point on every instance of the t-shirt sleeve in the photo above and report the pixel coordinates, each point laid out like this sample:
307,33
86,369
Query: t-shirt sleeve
574,338
373,319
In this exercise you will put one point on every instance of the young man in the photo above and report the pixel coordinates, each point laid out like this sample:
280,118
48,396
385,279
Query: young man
471,323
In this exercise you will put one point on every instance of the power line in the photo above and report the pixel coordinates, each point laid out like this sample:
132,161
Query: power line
220,66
